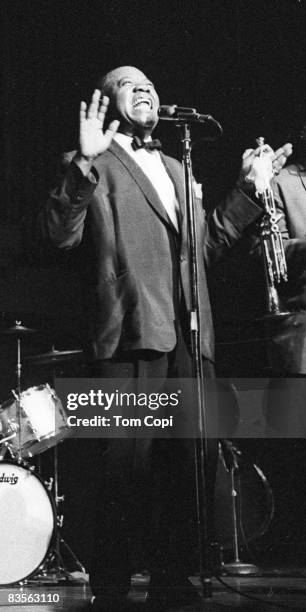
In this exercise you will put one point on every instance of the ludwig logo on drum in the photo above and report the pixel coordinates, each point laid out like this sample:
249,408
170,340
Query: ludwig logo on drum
12,479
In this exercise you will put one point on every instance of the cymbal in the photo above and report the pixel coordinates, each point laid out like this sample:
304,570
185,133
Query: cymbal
17,330
53,356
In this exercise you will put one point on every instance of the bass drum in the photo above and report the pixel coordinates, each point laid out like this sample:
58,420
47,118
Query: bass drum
27,522
254,503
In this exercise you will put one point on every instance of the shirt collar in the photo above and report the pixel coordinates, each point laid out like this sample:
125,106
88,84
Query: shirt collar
124,140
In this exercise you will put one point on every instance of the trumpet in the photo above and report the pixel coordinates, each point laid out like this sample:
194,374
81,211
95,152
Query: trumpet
275,265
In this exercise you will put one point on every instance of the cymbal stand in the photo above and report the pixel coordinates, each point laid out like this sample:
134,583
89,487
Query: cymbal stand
58,499
18,394
57,571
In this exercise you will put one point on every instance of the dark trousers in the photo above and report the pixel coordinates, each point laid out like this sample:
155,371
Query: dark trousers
146,506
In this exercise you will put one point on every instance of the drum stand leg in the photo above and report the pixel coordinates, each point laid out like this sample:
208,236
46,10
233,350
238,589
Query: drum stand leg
58,568
74,557
236,567
60,519
53,568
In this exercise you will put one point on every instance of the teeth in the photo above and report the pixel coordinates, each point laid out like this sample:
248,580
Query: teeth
142,101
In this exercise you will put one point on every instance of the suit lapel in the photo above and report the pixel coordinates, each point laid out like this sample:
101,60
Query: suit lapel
142,181
176,175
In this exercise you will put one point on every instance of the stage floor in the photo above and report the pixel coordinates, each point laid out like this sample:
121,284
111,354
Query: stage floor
272,589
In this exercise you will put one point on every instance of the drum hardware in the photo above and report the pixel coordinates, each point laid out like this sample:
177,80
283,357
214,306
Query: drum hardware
22,510
17,330
30,423
53,567
30,525
3,452
49,483
54,356
60,521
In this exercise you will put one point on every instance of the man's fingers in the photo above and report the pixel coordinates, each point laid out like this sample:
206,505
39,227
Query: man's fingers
94,105
285,151
103,108
83,107
112,129
104,102
113,126
248,153
280,157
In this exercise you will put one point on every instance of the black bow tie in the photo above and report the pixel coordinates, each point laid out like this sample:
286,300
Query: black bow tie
137,143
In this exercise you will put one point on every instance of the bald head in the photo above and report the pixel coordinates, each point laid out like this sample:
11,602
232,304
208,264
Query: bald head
109,80
133,99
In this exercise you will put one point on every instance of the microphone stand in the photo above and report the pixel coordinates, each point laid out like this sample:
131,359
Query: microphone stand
201,447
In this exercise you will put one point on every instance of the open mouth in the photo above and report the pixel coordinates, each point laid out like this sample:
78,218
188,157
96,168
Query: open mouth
143,103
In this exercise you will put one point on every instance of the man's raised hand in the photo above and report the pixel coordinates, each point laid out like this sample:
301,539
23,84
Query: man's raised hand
278,159
93,141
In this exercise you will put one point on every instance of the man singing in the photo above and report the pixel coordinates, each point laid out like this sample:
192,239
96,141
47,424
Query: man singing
122,200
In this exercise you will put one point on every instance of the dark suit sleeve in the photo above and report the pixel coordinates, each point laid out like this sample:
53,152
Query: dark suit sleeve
62,219
226,224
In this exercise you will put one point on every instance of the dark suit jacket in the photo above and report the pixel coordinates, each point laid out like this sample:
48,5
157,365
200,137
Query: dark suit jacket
138,268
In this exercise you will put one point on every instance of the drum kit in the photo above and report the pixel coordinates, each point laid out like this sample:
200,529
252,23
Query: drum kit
31,422
34,421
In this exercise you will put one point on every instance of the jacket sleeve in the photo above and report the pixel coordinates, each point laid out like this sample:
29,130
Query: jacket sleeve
61,221
227,222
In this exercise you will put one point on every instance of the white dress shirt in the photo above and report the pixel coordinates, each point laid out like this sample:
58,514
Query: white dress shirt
151,164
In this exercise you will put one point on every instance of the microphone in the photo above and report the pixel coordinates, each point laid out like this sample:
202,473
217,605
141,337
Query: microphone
183,114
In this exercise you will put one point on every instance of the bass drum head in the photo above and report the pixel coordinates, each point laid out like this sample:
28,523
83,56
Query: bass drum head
27,522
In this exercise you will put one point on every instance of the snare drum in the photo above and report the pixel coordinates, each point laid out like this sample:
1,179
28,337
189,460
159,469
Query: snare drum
27,523
43,422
